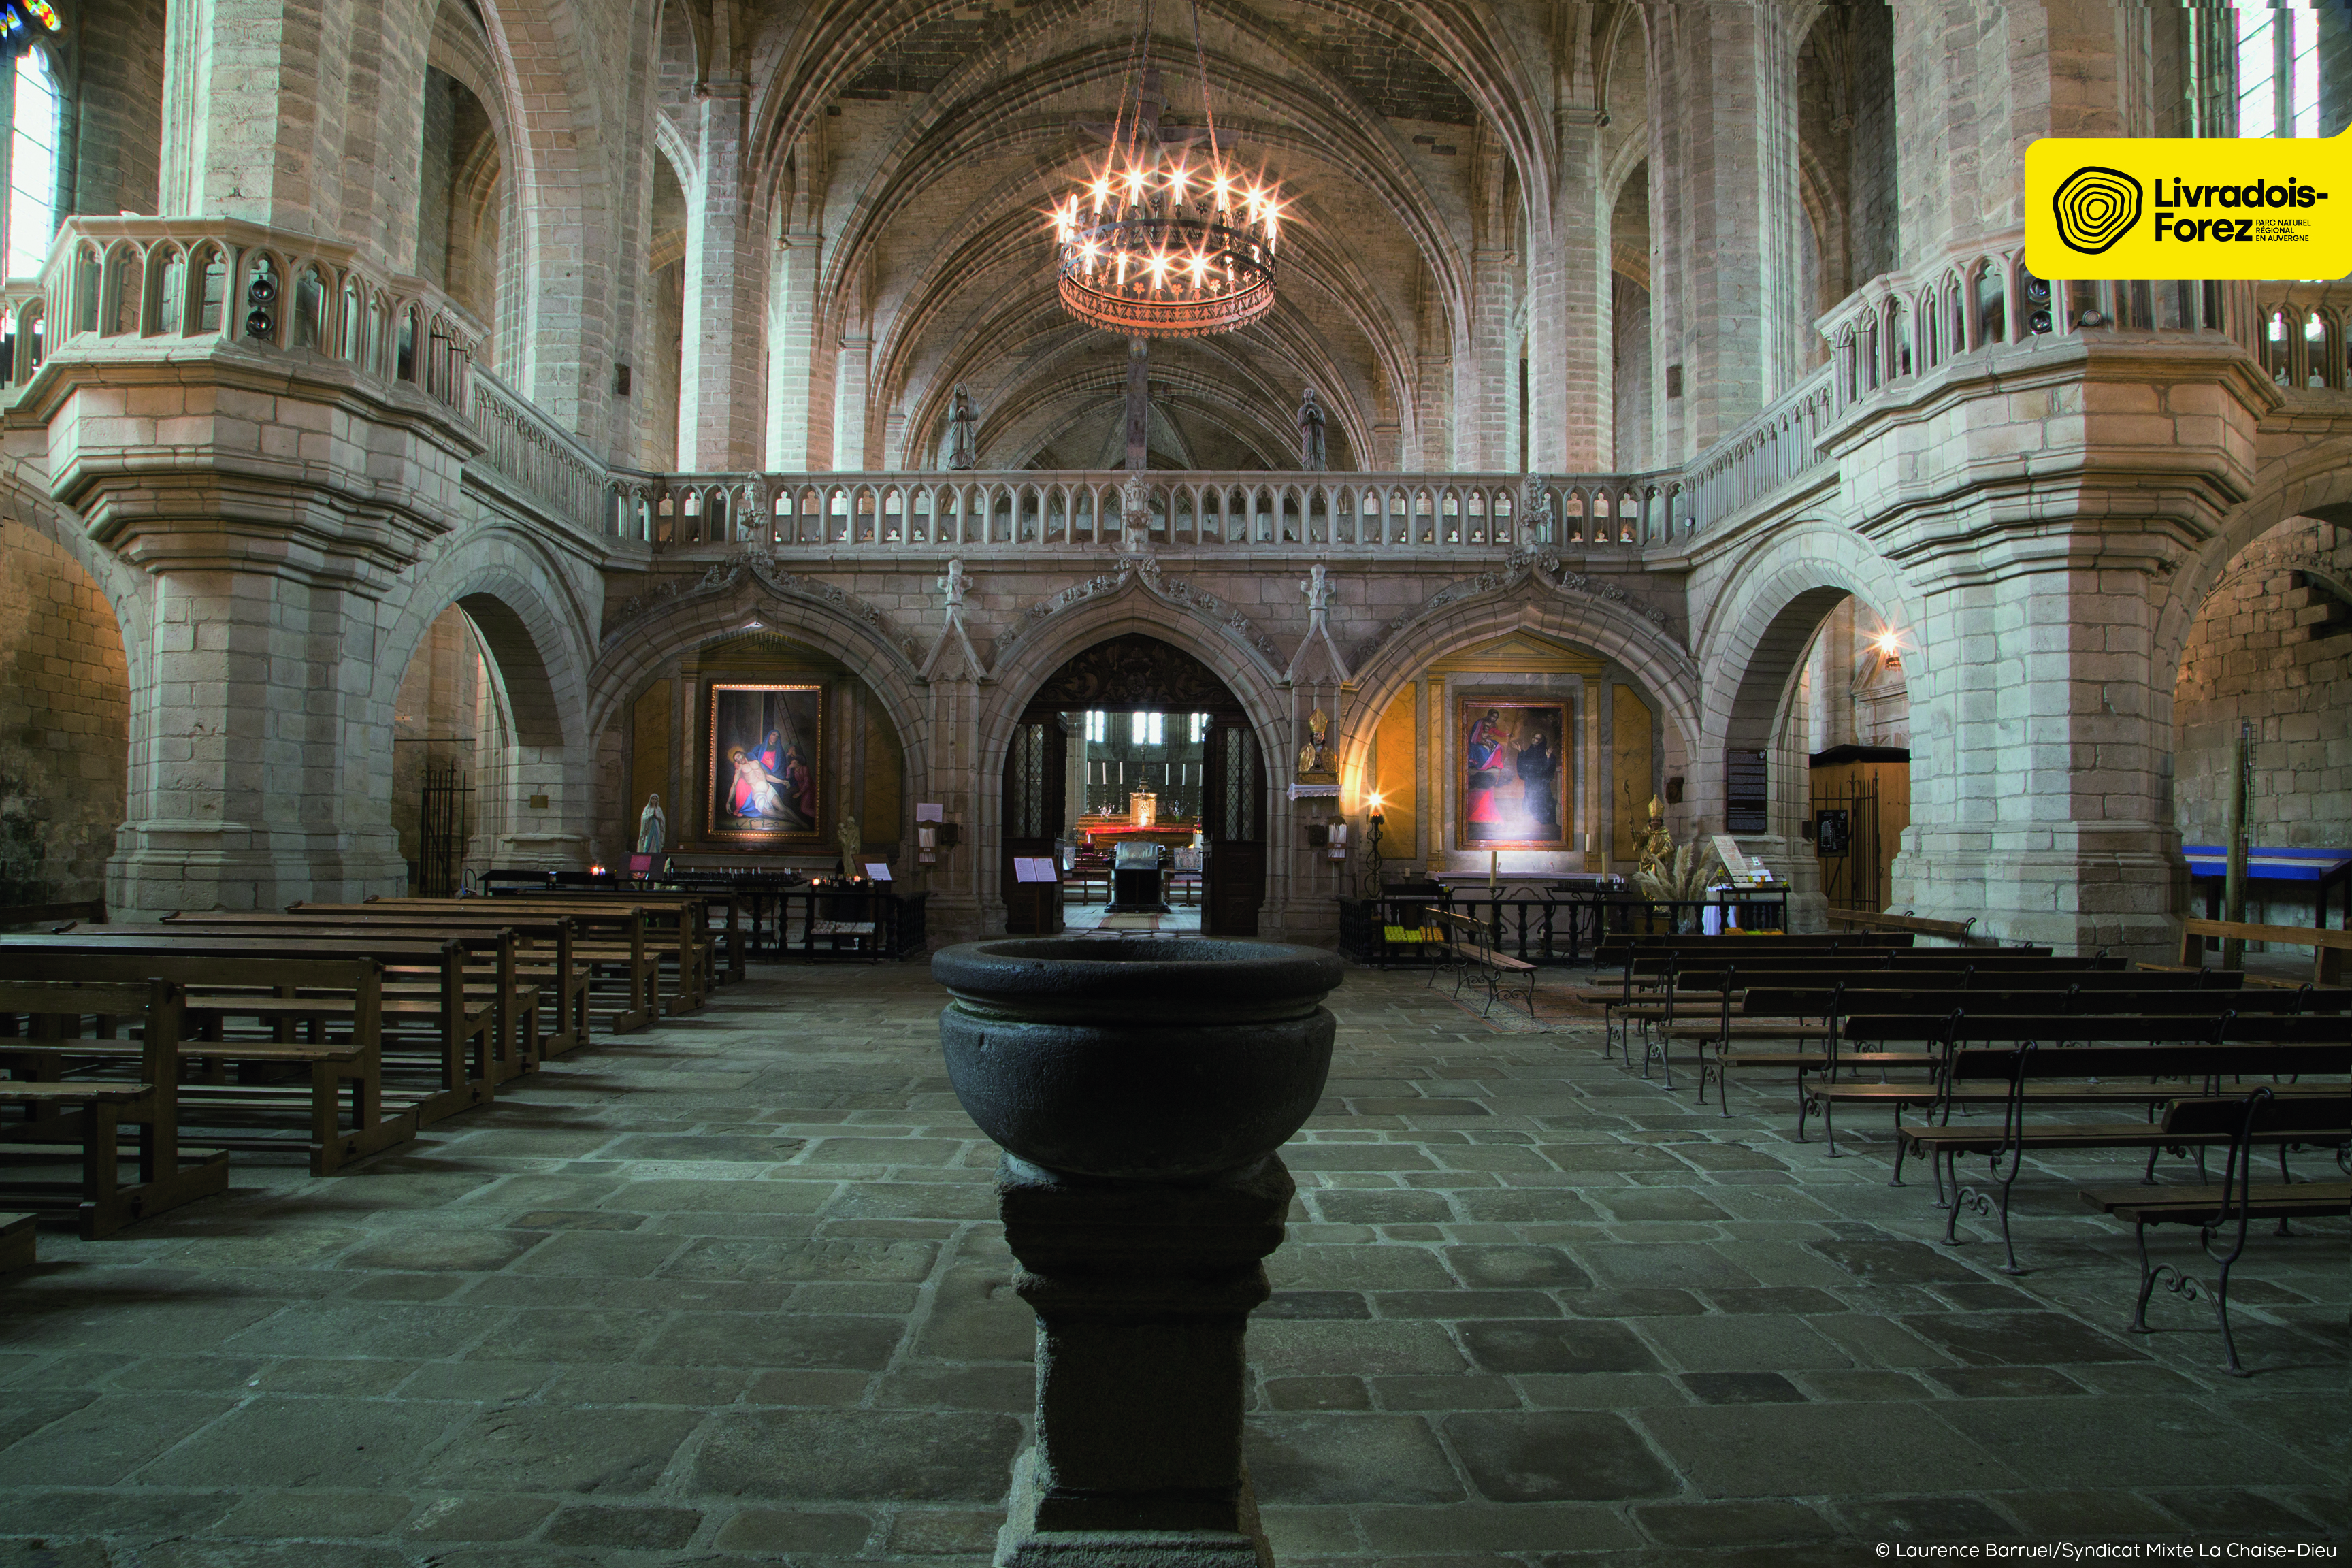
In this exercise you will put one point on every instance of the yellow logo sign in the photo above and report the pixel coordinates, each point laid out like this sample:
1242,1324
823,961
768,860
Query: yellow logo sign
2152,207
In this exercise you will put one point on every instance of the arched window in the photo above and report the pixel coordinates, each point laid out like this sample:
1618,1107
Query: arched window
2278,71
32,216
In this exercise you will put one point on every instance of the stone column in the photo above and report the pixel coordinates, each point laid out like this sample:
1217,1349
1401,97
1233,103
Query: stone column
791,345
719,408
851,373
2039,763
1731,317
1567,276
1484,369
304,116
955,911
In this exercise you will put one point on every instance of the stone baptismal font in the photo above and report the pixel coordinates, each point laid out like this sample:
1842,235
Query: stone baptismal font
1139,1088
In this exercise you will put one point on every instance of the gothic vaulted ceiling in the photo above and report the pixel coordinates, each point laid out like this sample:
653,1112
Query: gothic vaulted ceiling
922,143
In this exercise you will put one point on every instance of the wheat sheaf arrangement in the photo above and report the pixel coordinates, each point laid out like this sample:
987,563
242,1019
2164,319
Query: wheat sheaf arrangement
1682,876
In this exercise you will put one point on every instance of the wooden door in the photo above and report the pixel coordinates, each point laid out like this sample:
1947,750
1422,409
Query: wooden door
1234,811
1034,810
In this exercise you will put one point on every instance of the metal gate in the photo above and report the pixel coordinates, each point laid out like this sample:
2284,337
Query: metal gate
445,822
1845,836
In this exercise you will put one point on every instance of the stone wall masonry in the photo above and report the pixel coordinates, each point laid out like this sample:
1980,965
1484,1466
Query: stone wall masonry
117,106
2254,654
64,724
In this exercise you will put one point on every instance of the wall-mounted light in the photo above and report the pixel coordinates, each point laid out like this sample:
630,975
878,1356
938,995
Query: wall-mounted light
1888,643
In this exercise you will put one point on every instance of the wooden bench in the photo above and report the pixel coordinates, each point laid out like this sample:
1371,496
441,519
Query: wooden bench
1918,925
2228,1208
87,909
536,995
617,940
1723,975
278,996
1472,954
1808,1015
703,960
443,1041
16,1242
1942,1036
92,1112
2328,947
2184,1126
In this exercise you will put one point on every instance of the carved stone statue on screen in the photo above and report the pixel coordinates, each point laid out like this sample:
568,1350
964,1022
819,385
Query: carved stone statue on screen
1311,456
964,432
653,827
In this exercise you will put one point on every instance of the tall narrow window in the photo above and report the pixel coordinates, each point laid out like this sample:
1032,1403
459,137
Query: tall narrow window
1098,724
1200,727
2278,71
33,166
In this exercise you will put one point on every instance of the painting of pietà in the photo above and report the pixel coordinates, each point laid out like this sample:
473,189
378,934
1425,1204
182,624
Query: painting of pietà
1514,768
764,760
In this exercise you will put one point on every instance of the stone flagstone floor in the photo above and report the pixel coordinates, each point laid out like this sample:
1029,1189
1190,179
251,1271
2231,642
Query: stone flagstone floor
731,1290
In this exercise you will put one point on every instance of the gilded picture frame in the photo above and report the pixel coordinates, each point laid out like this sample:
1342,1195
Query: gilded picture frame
1512,774
765,781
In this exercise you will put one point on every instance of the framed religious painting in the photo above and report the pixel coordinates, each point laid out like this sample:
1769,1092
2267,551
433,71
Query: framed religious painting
766,762
1514,789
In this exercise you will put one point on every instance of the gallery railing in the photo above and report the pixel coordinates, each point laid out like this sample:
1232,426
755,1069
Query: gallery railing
156,280
1977,298
1017,509
538,455
2301,333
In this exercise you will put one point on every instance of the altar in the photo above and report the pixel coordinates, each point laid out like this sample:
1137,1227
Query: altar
1140,823
1135,877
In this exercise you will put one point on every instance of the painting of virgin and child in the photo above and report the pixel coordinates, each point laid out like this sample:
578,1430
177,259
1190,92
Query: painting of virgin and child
1513,770
764,756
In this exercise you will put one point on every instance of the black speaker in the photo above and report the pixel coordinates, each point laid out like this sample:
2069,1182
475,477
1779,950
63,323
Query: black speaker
2037,302
260,290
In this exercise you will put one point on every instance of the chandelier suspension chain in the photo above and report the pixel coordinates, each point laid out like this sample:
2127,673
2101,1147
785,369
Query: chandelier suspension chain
1158,242
1200,59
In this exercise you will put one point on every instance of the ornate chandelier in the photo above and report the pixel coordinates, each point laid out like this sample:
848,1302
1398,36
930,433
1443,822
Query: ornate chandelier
1166,238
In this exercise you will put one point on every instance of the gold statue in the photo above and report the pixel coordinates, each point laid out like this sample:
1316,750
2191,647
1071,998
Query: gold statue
1654,847
852,839
1315,756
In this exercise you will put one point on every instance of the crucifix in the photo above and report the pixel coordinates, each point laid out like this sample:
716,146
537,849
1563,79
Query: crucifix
1138,405
1142,141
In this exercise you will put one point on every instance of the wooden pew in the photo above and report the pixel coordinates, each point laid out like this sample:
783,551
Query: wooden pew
280,996
2229,1207
16,1242
1721,975
682,936
614,939
1918,925
450,1033
526,1016
1946,1034
550,953
92,1111
2021,1068
2328,947
1796,1027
